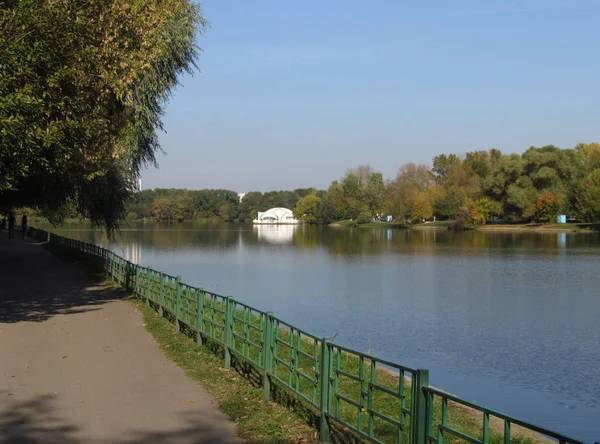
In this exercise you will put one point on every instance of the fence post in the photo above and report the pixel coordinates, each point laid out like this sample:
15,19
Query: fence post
105,261
421,409
227,327
136,289
199,315
161,295
178,293
112,267
324,399
128,267
147,275
268,355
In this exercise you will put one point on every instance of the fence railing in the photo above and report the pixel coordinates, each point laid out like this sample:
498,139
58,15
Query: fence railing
374,399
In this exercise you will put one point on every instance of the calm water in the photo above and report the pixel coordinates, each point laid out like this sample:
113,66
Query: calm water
509,320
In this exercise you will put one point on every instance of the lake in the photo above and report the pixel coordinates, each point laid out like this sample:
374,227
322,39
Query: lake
510,320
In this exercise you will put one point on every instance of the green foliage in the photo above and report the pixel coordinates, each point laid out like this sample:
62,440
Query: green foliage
475,213
483,185
364,218
163,208
82,90
422,209
546,207
326,211
443,164
587,197
306,208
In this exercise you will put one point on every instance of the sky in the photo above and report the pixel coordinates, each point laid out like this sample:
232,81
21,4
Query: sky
293,93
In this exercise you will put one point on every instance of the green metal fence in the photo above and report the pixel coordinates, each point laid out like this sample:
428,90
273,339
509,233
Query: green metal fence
373,399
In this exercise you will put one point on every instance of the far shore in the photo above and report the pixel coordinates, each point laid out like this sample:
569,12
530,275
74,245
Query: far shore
445,225
437,225
539,228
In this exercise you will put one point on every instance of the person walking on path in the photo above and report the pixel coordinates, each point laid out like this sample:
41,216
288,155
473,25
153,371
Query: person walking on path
24,225
11,225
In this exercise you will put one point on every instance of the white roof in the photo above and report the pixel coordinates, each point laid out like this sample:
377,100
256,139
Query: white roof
279,212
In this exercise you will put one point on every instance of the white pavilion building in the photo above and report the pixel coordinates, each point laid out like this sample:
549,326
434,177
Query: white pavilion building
276,216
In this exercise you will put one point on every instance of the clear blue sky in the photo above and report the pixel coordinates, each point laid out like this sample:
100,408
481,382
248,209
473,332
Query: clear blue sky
292,93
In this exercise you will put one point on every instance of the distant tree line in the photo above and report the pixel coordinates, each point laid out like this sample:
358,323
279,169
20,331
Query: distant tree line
534,186
472,189
224,205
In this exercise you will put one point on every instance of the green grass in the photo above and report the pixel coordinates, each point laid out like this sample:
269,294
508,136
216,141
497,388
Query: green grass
352,223
436,224
534,227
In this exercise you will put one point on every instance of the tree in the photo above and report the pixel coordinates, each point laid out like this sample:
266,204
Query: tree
163,208
336,195
587,197
225,212
475,213
505,171
546,207
402,192
442,164
352,194
521,196
374,192
326,211
306,208
179,211
588,156
82,88
423,209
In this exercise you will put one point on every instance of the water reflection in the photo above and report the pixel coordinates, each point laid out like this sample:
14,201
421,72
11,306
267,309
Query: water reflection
275,234
343,241
562,239
131,251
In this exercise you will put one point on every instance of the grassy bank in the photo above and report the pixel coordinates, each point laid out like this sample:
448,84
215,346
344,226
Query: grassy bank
540,228
439,225
447,224
351,223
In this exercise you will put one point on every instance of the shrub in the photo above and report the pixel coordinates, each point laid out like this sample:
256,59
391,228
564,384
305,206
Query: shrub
364,218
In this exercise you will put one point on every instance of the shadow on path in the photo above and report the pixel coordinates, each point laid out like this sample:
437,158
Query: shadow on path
34,421
35,286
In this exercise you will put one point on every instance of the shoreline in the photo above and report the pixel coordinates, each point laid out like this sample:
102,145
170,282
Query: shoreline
519,228
534,228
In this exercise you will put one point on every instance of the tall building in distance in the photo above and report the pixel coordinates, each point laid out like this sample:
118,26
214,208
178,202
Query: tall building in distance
240,195
138,184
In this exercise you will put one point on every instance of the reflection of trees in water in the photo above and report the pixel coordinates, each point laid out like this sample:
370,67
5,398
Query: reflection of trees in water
339,241
405,241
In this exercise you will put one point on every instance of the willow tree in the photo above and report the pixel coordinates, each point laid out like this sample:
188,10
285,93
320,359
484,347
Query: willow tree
83,84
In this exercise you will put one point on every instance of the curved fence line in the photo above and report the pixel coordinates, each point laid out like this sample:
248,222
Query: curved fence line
374,399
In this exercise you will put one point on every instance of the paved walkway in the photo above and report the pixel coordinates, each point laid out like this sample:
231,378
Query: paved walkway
77,365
